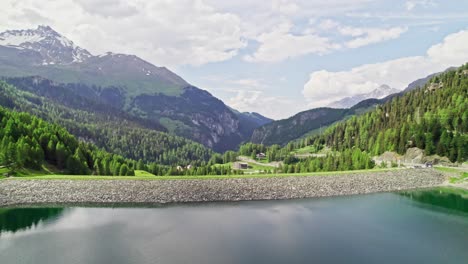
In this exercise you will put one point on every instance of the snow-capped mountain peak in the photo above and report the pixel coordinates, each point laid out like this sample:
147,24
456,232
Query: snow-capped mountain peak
381,92
378,93
52,47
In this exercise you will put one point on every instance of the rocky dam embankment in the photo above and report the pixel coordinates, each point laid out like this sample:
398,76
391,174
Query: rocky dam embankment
29,192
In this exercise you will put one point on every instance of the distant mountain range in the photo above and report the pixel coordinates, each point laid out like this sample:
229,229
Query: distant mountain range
127,83
378,93
151,97
314,121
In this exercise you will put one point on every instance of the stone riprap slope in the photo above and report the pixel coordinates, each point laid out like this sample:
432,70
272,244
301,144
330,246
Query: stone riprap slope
29,192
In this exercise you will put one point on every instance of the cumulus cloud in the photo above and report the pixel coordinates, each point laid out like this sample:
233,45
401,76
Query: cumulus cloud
281,44
108,8
164,32
325,87
285,7
188,32
452,51
275,107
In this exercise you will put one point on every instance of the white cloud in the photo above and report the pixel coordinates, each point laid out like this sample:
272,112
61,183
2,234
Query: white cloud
285,7
281,44
452,51
362,36
326,24
410,5
253,95
371,35
275,107
250,83
234,84
108,8
188,32
399,17
301,8
324,86
164,32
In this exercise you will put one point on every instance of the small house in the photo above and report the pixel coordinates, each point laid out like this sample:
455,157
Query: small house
240,166
261,155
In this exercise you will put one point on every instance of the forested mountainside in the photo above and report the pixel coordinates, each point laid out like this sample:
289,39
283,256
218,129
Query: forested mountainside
98,123
250,121
126,82
283,131
433,118
314,121
27,141
421,82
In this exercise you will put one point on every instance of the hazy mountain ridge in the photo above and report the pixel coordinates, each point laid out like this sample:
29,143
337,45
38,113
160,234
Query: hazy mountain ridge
283,131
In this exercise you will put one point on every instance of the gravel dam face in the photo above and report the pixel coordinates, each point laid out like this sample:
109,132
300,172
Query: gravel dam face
28,192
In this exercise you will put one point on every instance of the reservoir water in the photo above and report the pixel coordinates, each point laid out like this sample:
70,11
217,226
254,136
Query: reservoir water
428,226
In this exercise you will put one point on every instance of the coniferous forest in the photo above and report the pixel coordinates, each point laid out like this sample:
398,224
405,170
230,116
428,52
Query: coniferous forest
102,125
433,118
30,142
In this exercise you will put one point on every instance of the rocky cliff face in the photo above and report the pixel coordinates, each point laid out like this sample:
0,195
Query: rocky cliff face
195,114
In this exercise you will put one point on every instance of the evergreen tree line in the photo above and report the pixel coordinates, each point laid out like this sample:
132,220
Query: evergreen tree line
432,119
349,159
107,128
30,142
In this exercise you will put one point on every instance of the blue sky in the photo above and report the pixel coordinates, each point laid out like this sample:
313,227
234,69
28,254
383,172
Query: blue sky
274,57
427,23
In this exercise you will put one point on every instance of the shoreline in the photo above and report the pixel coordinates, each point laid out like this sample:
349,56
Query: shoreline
17,192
